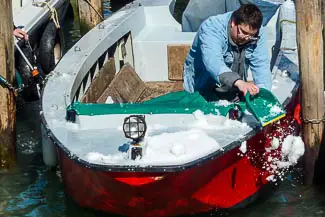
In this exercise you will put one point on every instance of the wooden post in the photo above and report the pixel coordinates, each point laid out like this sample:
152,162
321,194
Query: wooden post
322,12
7,103
323,28
90,14
310,46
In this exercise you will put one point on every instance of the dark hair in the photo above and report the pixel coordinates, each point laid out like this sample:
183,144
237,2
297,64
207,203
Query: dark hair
248,14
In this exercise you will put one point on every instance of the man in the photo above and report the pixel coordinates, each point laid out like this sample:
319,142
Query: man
223,49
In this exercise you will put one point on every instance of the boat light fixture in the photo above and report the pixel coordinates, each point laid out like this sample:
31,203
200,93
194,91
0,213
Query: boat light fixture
135,127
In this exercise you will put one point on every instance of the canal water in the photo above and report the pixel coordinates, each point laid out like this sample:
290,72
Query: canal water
33,190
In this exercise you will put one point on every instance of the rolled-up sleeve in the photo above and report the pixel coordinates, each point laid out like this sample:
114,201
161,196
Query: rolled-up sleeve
260,64
211,42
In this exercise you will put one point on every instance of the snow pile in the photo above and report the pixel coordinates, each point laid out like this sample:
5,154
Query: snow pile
276,109
170,146
164,148
109,100
98,157
201,120
164,145
292,148
273,110
215,122
275,143
243,147
178,149
224,103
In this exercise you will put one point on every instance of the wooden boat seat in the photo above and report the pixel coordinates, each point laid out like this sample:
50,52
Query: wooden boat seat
126,86
100,82
176,54
158,88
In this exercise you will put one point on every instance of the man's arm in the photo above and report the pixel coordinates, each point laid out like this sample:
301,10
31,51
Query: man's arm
210,42
260,64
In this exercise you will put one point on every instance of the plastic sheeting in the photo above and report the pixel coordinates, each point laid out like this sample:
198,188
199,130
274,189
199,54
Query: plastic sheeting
199,10
180,102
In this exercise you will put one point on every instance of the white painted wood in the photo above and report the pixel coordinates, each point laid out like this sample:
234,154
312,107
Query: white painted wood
30,16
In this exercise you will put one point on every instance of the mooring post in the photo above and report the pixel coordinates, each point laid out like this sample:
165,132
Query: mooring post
310,47
323,29
90,14
7,103
323,14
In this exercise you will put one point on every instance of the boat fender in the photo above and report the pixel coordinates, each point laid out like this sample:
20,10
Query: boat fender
30,91
297,114
50,157
49,40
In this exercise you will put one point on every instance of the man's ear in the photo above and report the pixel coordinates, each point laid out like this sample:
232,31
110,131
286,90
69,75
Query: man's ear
232,23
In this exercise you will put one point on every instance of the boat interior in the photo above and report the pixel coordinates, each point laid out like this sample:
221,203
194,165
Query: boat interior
133,56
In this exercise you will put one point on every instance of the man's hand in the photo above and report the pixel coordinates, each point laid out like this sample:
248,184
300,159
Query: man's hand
246,86
19,33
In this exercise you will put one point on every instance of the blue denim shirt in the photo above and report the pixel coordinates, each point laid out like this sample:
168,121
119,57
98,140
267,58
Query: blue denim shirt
211,55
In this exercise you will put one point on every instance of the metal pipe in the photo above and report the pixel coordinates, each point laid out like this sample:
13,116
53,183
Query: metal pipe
23,55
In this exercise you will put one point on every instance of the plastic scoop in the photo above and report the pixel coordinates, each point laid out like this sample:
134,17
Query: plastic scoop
265,107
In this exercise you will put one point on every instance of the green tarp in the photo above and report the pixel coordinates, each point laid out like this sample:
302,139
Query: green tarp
176,102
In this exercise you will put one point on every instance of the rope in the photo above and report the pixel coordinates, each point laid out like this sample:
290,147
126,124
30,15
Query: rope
54,13
283,21
288,21
297,117
89,3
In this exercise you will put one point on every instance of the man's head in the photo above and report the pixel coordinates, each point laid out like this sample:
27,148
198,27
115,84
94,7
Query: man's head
245,23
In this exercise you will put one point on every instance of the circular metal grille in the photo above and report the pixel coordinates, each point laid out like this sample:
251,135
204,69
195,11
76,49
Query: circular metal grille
134,127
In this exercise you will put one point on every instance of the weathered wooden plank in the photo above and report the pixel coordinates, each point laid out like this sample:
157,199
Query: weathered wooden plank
158,88
7,102
176,55
155,89
90,14
178,86
310,43
125,87
101,82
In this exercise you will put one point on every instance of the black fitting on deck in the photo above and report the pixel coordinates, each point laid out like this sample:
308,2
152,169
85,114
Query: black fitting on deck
71,115
136,152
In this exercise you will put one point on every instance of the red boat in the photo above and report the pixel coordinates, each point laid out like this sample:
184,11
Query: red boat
103,170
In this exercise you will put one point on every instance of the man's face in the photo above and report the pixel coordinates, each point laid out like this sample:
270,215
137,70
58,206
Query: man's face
242,33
